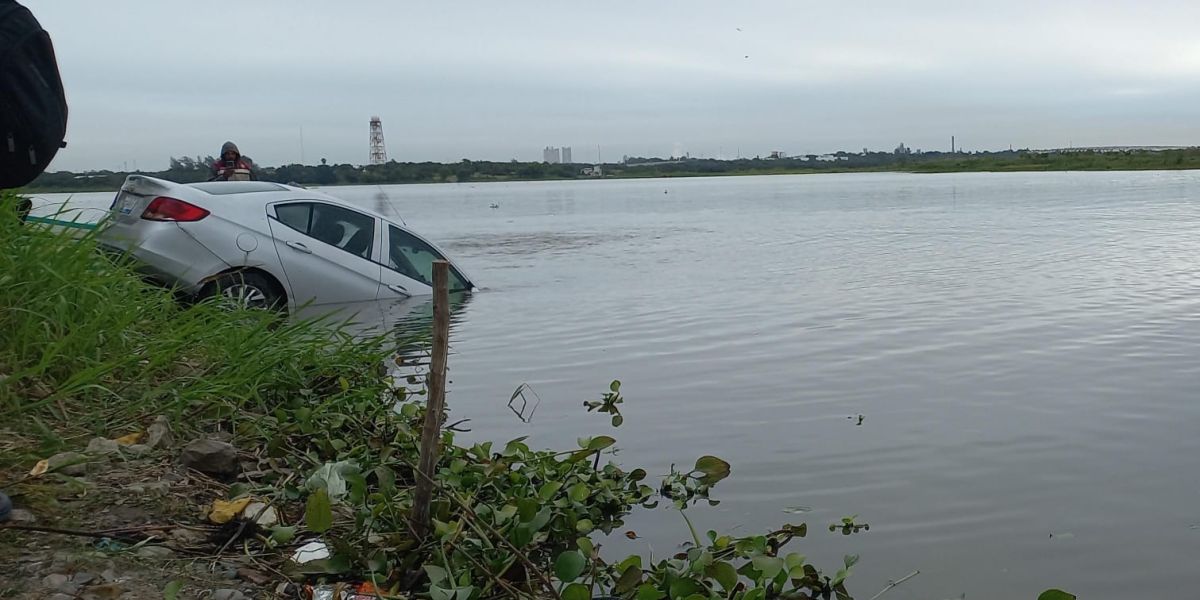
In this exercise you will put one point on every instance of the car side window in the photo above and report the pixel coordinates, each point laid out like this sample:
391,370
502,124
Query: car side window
351,231
413,257
346,229
295,216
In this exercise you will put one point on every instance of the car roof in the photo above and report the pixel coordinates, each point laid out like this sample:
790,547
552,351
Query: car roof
221,188
262,193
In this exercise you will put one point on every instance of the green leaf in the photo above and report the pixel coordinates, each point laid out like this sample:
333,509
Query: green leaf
436,574
616,385
585,546
713,468
682,588
338,563
630,561
282,535
516,446
630,578
522,535
850,560
724,573
617,420
1055,594
437,593
569,565
172,590
540,519
318,514
549,490
584,526
841,576
769,566
387,480
755,594
505,513
647,591
600,442
358,487
576,591
794,560
527,508
578,492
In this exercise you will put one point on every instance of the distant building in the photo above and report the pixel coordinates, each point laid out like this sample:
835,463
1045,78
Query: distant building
776,155
592,171
557,156
901,150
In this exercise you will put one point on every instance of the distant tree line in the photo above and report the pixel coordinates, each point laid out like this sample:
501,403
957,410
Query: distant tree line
187,169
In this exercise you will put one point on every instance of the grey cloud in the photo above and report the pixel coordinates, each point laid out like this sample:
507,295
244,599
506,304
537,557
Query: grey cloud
148,79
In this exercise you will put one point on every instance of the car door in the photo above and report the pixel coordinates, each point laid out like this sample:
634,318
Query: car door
327,251
408,266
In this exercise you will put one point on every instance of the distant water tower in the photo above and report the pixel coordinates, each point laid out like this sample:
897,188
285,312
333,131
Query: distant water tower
378,152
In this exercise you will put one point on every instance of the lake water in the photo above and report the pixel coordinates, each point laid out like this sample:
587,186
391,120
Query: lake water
1023,349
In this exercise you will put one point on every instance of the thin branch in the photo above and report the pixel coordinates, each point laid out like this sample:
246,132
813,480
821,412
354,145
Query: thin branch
75,532
499,536
895,583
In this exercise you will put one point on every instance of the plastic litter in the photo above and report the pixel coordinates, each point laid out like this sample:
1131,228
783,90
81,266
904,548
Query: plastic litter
264,515
314,550
330,477
343,591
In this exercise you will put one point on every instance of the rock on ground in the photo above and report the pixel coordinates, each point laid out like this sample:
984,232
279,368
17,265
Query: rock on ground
211,457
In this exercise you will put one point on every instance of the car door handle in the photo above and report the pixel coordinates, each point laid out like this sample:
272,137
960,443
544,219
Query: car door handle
399,289
297,246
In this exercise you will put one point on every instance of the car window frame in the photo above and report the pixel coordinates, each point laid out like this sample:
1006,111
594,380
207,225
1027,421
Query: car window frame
376,250
385,246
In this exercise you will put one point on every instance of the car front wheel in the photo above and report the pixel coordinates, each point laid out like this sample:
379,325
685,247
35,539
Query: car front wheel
245,290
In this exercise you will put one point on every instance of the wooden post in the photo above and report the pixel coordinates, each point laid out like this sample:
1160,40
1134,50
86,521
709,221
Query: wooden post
435,403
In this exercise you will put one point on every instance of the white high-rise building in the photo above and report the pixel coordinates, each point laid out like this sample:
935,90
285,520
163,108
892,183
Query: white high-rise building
551,155
566,155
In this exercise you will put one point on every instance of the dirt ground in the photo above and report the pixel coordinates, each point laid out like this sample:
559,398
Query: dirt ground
128,527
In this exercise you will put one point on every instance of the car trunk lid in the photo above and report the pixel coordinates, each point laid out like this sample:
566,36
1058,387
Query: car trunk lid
135,194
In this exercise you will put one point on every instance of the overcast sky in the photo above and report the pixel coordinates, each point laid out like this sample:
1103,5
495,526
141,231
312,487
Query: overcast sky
148,79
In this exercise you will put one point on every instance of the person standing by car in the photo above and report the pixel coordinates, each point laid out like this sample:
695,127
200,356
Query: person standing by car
232,166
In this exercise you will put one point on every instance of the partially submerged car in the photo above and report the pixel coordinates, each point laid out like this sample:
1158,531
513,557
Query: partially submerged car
268,245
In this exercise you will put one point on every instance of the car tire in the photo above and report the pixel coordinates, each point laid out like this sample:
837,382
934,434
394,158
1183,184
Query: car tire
245,290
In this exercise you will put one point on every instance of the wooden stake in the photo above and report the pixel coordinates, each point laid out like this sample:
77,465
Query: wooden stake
435,404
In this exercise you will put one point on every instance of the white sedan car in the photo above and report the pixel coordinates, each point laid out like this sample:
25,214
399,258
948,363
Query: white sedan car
268,245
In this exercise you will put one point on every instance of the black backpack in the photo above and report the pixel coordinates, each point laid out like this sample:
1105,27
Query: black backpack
33,107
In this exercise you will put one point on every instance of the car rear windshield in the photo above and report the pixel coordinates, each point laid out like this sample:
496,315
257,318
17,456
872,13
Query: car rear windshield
221,188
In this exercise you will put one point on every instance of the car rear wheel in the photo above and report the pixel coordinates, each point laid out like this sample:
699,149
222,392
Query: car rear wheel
245,290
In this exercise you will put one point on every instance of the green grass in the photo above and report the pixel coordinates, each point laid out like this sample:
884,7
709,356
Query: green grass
86,346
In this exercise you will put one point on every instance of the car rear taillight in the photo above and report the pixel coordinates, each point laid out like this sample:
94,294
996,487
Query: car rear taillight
163,208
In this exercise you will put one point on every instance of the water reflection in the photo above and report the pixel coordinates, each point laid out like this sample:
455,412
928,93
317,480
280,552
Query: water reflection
407,322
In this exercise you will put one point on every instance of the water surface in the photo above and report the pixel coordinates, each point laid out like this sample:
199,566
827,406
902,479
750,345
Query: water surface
1022,347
